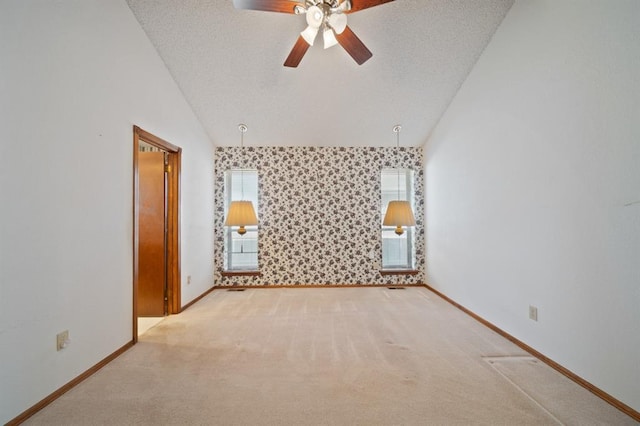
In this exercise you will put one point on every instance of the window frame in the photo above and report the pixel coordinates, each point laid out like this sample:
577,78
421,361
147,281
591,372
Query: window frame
230,266
408,193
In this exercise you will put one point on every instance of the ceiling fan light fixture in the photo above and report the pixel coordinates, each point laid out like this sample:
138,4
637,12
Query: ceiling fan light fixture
309,34
299,9
315,16
338,22
329,38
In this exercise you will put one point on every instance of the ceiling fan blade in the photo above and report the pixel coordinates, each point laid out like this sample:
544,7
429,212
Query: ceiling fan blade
354,46
297,53
282,6
357,5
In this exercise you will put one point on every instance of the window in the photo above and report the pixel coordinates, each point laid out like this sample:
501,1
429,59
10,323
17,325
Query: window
397,250
241,251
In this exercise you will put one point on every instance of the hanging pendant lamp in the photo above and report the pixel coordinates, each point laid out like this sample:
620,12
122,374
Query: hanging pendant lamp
399,212
241,213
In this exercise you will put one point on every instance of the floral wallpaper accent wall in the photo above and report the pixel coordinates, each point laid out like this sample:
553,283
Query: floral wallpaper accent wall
319,214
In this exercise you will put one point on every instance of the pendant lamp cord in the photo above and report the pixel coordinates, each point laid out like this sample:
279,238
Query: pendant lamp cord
397,130
243,129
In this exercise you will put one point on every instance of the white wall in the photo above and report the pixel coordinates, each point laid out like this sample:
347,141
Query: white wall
531,175
75,76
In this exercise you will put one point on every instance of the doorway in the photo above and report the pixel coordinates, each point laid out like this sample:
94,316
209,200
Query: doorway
156,234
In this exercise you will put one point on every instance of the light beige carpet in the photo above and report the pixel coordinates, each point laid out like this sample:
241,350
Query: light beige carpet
326,356
147,323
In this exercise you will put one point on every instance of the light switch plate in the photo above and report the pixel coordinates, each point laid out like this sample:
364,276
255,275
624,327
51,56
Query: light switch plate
533,313
62,339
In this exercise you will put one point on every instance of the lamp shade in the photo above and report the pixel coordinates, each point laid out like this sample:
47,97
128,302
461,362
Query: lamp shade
338,22
399,214
241,213
315,16
309,34
329,38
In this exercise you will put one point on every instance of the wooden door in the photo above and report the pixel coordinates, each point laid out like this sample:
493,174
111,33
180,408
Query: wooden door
152,270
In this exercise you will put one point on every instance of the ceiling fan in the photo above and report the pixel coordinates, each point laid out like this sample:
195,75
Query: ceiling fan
328,16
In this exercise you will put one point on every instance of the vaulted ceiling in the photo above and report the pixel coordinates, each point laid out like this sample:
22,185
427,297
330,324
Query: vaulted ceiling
229,65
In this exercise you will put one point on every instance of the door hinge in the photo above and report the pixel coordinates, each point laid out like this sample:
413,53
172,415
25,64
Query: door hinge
167,168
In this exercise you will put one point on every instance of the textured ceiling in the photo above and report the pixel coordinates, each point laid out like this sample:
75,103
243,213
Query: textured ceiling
228,64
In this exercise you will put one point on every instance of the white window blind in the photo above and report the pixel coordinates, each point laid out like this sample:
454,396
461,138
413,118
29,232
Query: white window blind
241,251
397,250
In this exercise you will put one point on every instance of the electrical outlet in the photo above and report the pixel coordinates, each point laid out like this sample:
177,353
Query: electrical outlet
188,279
62,340
533,313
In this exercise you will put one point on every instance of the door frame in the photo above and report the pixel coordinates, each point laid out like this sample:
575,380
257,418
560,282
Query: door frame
173,221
